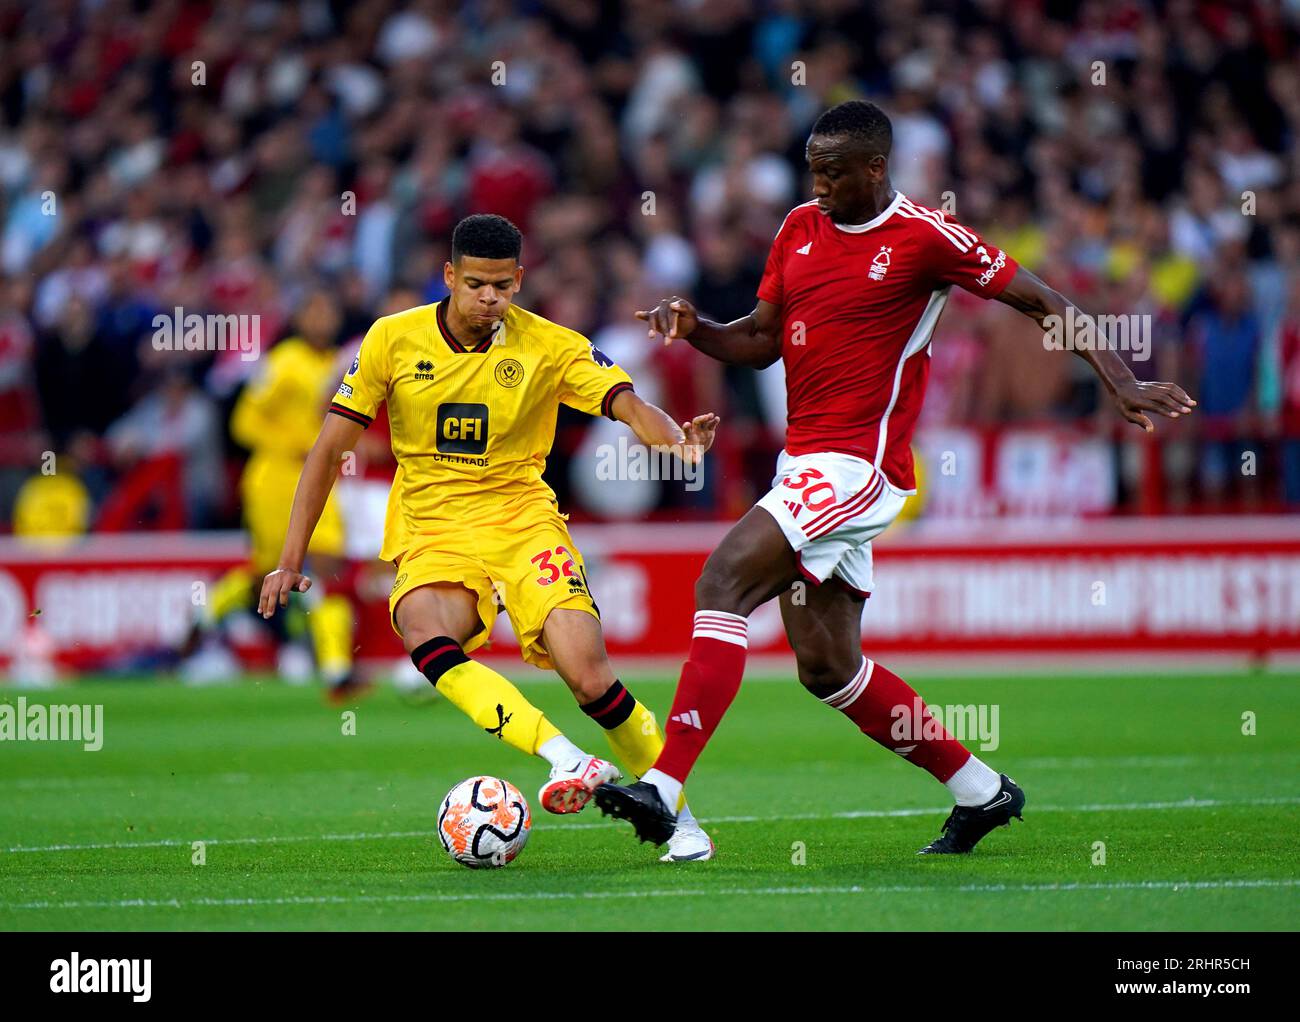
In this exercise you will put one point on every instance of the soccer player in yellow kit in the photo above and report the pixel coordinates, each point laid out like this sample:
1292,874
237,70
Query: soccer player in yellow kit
473,385
275,418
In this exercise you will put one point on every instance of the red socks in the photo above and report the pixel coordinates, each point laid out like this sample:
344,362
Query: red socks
882,705
888,710
709,682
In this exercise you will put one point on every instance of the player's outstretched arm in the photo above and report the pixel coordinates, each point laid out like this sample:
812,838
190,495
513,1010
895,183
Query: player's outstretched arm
1027,294
753,340
655,428
337,436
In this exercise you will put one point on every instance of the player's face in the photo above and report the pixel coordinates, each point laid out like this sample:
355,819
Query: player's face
846,180
482,289
319,319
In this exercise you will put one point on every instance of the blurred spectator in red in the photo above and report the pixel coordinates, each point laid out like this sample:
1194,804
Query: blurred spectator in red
177,420
22,440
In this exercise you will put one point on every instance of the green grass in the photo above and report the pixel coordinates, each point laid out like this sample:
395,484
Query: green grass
309,828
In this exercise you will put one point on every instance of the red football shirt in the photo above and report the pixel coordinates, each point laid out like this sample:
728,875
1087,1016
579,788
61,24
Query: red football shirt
859,303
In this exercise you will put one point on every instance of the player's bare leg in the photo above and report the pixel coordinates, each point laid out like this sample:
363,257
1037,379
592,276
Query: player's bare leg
825,629
435,621
577,647
753,563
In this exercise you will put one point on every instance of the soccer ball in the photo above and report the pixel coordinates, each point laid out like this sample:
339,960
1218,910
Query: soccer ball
484,822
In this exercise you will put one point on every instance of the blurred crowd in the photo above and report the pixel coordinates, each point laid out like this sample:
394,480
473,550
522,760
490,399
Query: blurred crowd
234,157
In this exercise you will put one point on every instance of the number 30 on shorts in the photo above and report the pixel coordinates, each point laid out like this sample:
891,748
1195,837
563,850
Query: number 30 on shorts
547,571
817,496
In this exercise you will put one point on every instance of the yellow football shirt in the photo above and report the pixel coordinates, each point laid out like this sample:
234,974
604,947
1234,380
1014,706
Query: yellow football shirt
48,507
277,414
276,418
471,427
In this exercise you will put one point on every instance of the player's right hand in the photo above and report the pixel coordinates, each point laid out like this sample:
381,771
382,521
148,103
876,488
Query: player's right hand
276,588
1133,397
672,318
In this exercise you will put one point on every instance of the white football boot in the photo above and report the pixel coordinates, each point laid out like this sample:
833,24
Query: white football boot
569,789
689,843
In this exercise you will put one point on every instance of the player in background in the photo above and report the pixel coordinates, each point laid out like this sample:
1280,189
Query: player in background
855,281
274,419
472,386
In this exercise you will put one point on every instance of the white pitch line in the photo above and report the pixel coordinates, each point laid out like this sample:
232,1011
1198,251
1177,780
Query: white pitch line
1134,885
273,839
856,814
305,776
863,814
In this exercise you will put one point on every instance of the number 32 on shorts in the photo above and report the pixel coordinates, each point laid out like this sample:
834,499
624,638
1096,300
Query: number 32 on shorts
547,570
818,495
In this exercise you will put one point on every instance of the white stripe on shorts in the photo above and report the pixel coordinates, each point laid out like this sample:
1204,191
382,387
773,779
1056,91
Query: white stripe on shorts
854,506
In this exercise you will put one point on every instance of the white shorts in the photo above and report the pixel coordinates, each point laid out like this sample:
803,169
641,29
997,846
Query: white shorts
830,507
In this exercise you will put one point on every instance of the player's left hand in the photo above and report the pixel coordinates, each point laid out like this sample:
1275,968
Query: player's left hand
699,433
1134,397
276,588
672,318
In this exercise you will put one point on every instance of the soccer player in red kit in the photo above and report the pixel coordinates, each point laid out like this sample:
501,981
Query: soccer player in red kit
855,282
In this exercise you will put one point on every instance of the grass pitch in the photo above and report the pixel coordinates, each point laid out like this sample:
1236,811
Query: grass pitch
307,827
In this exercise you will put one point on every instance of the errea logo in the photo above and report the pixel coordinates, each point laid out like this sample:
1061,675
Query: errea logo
132,976
424,369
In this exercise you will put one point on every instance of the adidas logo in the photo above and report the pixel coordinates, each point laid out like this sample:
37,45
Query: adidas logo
691,718
424,369
805,250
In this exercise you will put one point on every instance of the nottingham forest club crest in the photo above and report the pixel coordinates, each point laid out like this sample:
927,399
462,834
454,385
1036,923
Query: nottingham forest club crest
880,264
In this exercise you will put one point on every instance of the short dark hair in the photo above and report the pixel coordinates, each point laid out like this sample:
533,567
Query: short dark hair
862,121
486,236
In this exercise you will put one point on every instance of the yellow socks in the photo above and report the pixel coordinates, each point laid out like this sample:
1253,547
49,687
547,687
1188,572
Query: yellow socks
231,592
500,709
330,624
488,699
632,731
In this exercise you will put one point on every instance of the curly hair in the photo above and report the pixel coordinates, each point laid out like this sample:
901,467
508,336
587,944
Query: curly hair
486,236
864,122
